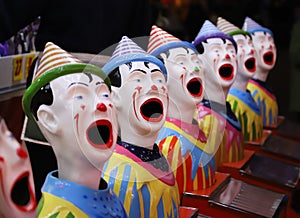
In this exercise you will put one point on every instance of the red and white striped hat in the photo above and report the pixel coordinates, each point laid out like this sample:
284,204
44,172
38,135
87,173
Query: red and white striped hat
56,62
161,41
228,28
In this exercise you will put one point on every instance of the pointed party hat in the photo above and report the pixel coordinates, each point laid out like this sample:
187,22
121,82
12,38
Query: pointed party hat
251,26
161,41
56,62
128,51
228,28
208,31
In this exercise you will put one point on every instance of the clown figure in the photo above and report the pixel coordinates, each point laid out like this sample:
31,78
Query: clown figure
17,197
263,41
214,114
70,101
240,99
180,139
137,171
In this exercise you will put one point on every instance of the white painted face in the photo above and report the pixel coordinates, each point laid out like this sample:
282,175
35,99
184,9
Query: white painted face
266,50
83,117
246,56
142,99
221,61
17,196
185,76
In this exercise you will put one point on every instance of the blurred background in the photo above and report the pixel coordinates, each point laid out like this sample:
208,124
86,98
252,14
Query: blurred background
184,18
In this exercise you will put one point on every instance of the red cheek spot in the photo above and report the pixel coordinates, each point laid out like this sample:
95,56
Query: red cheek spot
82,107
163,88
22,153
110,105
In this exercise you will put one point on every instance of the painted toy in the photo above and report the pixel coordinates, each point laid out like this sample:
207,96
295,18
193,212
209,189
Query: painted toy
137,171
240,99
214,114
180,139
263,41
70,101
17,196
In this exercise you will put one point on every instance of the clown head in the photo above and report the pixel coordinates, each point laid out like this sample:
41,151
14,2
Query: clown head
263,41
139,92
17,197
246,55
71,103
218,51
185,75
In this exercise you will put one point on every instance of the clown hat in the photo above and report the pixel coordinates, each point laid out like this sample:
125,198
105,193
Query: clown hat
208,31
229,28
251,26
56,62
161,41
128,51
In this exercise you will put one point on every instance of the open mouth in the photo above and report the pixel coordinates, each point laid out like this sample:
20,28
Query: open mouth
250,65
226,72
99,134
22,195
152,110
268,58
194,86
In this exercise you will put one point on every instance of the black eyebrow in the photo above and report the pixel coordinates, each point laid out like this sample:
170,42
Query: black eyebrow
98,83
76,83
155,70
139,70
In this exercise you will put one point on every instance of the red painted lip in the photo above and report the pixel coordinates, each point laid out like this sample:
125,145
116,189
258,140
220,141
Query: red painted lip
100,135
250,65
226,72
22,194
152,110
194,86
268,58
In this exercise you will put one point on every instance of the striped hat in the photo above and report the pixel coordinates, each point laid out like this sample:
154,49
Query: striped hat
56,62
208,31
251,26
229,28
128,51
161,41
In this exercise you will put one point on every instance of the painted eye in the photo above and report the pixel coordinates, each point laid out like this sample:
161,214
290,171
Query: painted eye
11,136
105,95
231,51
159,80
79,97
138,80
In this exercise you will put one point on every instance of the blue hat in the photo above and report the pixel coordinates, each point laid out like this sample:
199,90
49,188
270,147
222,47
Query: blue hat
128,51
251,26
209,31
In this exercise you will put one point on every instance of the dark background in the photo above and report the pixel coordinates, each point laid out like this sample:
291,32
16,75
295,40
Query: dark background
184,18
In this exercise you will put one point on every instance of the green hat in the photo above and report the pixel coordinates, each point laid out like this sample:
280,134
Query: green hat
56,62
